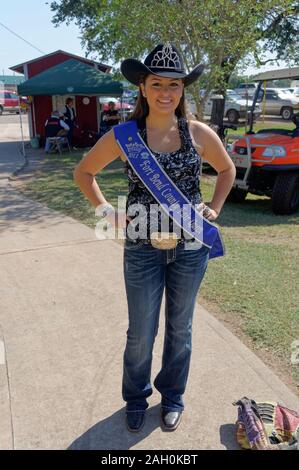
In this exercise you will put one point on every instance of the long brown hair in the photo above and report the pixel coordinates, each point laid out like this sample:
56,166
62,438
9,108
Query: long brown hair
141,109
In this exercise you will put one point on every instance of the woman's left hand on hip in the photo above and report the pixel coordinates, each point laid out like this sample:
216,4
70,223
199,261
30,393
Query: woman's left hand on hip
207,212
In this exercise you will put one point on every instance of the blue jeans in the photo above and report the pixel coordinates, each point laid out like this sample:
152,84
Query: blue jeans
48,144
147,270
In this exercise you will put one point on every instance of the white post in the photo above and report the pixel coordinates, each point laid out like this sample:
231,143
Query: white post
21,125
29,111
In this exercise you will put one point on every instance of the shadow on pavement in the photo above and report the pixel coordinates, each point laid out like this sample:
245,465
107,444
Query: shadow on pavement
228,436
112,434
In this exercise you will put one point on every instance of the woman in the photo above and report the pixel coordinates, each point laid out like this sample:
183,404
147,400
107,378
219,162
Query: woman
178,146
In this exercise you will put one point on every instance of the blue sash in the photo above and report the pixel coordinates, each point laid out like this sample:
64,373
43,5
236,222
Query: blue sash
162,188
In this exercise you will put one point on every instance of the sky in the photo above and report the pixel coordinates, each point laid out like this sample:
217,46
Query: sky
31,19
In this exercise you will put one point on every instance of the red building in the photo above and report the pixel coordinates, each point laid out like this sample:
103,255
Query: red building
53,78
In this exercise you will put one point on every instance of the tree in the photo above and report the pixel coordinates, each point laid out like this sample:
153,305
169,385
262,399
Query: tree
219,34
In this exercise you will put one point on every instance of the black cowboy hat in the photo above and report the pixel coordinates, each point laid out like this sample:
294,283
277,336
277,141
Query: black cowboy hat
165,61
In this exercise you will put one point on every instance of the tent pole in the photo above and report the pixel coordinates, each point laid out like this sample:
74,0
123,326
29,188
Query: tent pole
21,125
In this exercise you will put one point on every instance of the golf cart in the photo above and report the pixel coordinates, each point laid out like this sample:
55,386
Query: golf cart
267,161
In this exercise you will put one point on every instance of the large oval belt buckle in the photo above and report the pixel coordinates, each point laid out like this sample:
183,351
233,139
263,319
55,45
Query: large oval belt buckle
164,240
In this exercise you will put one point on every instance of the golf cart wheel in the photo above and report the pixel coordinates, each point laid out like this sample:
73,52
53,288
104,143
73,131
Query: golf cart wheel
1,110
232,116
286,113
237,195
285,195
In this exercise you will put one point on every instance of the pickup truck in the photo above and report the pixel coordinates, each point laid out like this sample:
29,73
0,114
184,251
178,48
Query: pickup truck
9,102
235,108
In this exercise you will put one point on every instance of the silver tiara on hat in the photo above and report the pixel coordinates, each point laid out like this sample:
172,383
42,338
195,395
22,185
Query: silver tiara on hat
166,58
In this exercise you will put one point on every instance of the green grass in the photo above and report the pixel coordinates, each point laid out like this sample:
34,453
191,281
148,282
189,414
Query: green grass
255,284
54,186
263,125
258,283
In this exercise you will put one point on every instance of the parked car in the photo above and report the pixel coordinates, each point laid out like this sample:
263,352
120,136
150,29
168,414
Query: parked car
277,102
235,107
289,91
296,92
9,101
246,89
293,91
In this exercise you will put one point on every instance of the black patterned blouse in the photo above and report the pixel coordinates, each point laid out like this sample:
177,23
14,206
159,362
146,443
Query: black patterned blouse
182,166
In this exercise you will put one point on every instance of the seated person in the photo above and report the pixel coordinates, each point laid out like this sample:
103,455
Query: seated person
55,127
111,116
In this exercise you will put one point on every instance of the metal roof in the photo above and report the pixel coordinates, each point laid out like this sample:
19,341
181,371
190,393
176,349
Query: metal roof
20,67
278,74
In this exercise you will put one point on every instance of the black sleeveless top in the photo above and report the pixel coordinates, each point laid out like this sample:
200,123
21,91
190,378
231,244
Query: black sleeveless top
182,166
